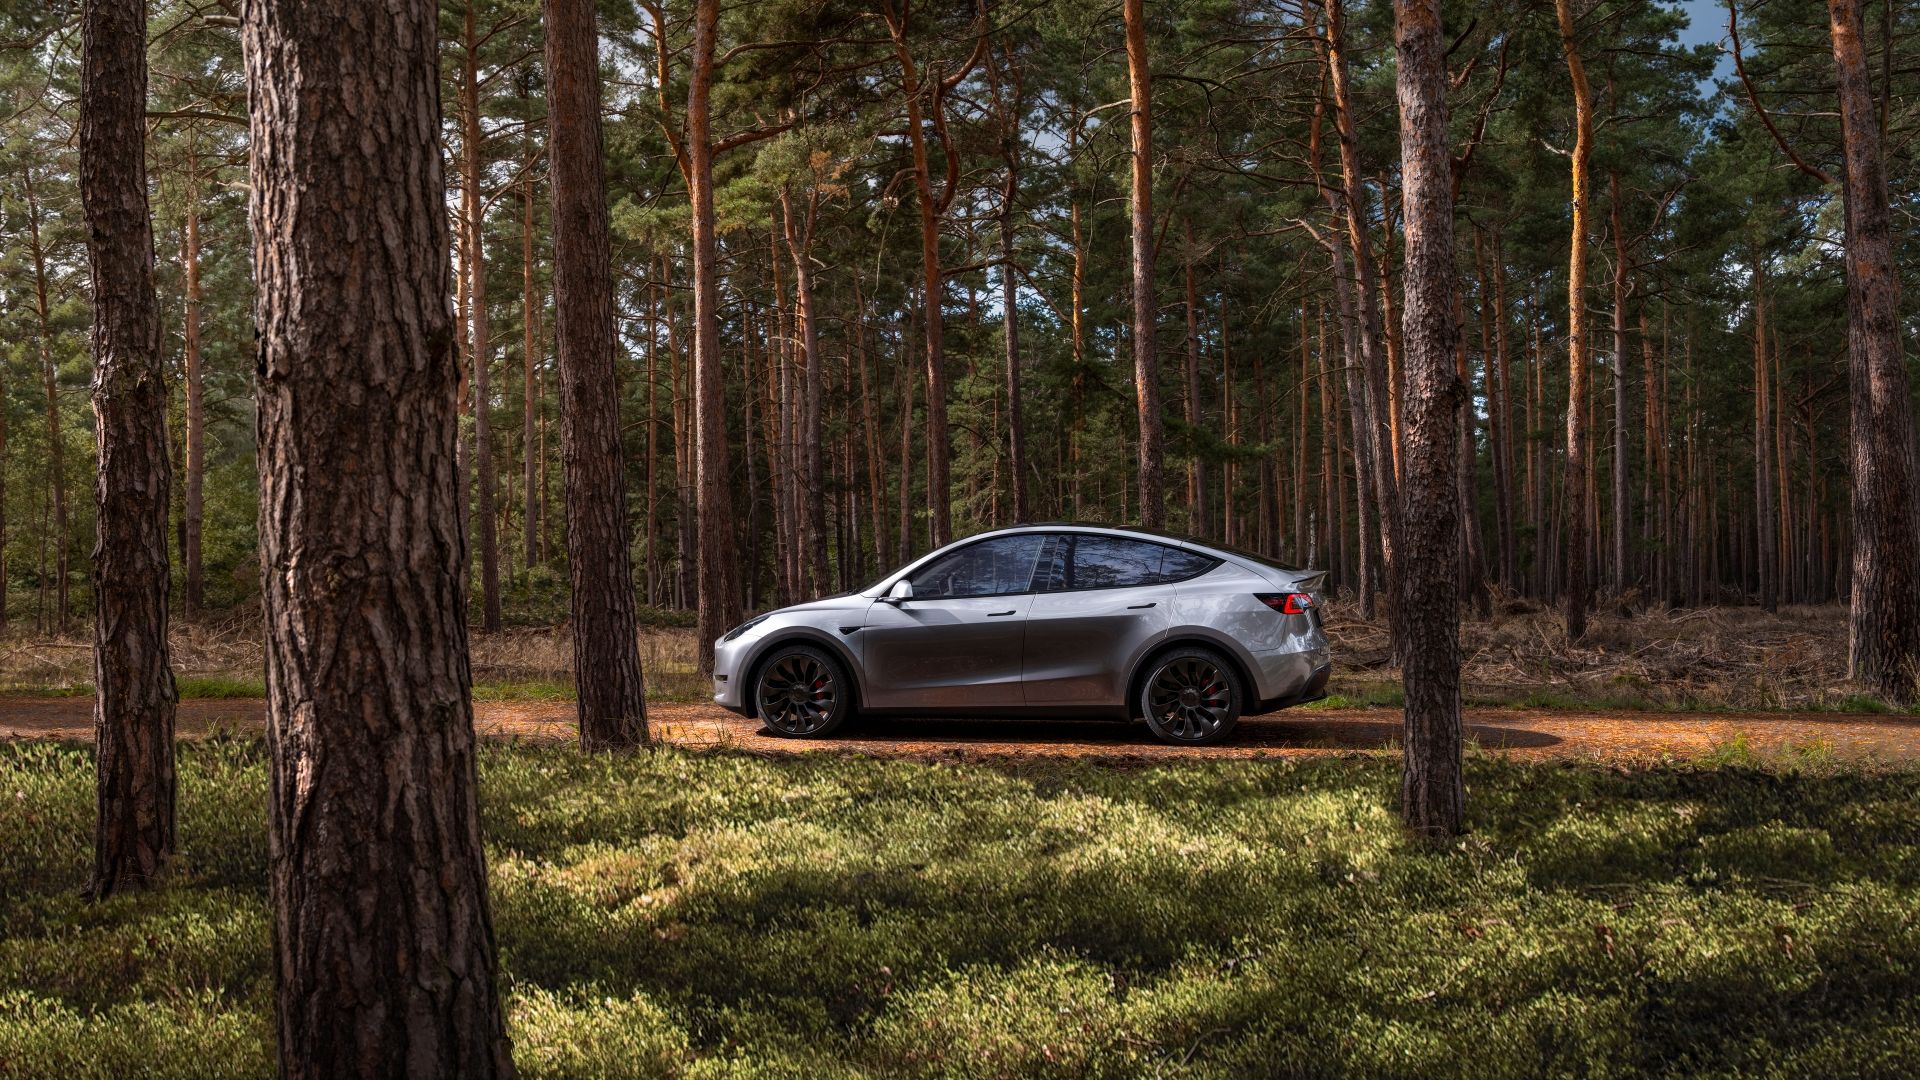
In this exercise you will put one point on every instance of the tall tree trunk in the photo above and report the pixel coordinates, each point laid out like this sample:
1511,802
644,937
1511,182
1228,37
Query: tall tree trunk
1622,504
1432,791
1382,447
1364,448
1579,588
193,513
1197,470
1766,556
134,692
49,377
1884,625
383,942
1146,362
606,659
479,347
530,365
1007,103
916,84
719,585
871,428
799,235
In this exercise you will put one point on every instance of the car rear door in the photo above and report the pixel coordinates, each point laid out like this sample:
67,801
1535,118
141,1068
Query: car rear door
1102,601
957,643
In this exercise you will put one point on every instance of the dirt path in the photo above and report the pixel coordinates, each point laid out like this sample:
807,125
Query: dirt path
1623,736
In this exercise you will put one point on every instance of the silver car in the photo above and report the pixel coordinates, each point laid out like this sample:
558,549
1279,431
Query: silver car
1063,621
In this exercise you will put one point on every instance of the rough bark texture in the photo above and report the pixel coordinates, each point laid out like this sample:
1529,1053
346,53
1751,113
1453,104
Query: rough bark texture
530,364
1431,790
799,237
50,383
606,658
1885,625
1383,451
1146,361
133,706
719,585
479,345
1197,517
383,944
1579,589
193,514
1622,505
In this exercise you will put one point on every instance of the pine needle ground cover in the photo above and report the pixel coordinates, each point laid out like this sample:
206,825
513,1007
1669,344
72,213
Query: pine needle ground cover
676,913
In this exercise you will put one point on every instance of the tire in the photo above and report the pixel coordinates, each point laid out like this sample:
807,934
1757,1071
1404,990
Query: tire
800,692
1191,697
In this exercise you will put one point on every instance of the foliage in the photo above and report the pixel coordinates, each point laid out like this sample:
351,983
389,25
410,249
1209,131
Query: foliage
715,914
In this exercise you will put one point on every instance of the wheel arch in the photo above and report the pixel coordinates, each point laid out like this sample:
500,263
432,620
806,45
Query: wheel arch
1188,639
802,635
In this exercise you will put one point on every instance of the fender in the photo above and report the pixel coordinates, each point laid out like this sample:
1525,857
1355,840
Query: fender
810,636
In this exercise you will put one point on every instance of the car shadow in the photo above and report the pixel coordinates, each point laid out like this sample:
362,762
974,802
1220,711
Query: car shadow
1027,736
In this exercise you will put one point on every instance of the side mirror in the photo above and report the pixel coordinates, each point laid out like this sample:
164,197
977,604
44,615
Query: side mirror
901,592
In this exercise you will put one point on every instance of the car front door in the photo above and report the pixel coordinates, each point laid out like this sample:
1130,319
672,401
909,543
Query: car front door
956,644
1102,600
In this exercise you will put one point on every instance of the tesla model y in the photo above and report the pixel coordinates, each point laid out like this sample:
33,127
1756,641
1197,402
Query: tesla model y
1063,621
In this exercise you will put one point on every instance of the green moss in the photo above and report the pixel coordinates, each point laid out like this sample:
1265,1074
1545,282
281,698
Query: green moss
673,913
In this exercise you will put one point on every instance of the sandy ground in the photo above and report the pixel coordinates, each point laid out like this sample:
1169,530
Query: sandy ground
1615,736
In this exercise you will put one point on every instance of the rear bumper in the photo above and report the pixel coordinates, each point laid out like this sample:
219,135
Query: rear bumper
1290,678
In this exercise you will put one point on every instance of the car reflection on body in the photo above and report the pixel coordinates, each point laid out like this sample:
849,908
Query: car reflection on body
1042,621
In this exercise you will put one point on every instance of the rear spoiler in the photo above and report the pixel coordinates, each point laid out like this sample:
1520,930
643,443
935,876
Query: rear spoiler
1311,581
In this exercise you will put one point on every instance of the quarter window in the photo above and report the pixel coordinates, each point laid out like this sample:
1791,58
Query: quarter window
996,567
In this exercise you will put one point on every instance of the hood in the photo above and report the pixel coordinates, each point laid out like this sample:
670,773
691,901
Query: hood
842,602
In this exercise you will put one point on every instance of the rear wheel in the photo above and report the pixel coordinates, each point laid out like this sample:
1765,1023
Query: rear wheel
801,693
1190,697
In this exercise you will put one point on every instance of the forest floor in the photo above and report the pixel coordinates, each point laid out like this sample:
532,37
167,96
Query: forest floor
729,914
1618,736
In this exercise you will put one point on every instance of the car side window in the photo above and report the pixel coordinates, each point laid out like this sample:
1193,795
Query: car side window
1088,561
1078,561
997,567
1180,565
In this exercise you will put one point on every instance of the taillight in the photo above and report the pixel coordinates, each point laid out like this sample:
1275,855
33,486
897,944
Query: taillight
1291,603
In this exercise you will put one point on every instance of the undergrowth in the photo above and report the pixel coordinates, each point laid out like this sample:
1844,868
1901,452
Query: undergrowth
673,913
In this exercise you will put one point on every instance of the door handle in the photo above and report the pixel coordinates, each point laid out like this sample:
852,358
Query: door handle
997,614
1137,607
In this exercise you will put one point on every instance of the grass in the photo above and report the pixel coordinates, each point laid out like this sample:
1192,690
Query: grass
675,913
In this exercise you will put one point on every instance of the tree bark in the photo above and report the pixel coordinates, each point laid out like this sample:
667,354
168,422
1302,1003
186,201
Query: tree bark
1197,469
1432,791
718,579
1766,555
1579,589
530,366
383,942
1622,503
799,236
479,346
193,515
133,681
914,85
606,659
1382,446
1146,362
1884,622
49,377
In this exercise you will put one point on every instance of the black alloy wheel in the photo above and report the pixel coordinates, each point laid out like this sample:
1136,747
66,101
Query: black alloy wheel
801,693
1191,698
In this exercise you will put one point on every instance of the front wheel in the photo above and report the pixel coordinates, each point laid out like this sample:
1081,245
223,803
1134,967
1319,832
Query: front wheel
1191,698
801,693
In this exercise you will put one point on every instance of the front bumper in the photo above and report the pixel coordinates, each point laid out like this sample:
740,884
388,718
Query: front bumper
729,674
